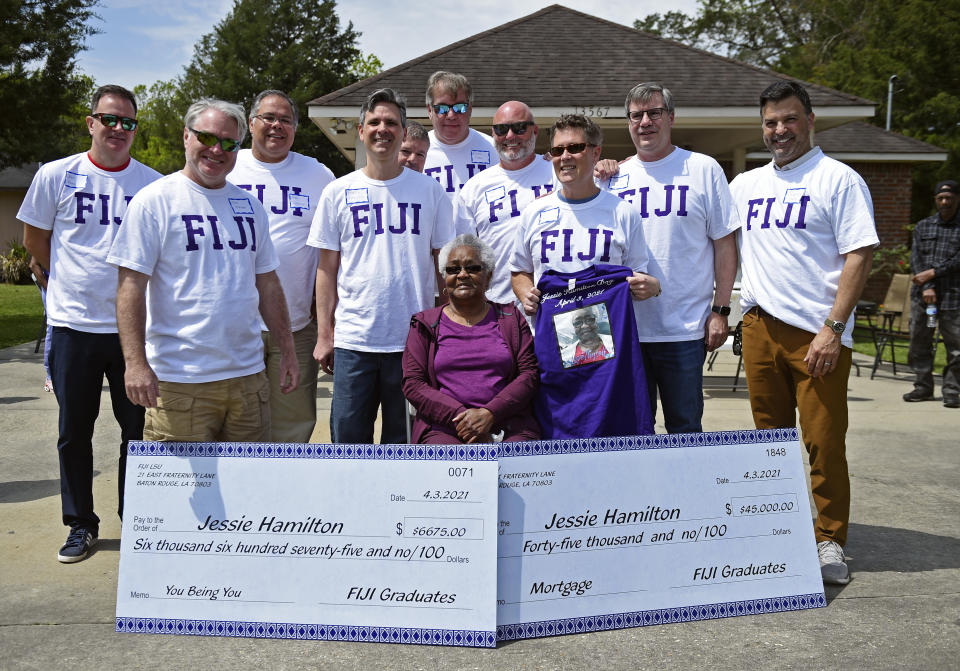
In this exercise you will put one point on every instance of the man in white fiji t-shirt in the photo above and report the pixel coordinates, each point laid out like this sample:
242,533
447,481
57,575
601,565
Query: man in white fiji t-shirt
577,225
377,229
197,271
490,203
690,228
288,185
807,242
71,213
457,152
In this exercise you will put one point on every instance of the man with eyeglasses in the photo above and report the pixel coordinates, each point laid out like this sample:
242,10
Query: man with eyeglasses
71,214
377,230
457,152
690,229
288,185
192,343
489,205
807,246
416,144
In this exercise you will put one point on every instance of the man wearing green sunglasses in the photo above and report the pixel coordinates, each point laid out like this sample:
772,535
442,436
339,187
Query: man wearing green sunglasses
204,248
71,214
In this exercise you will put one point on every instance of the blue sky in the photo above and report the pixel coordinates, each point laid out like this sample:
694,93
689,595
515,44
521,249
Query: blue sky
143,41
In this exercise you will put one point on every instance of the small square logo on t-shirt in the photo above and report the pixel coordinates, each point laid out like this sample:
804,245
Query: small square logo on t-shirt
794,195
495,193
300,201
480,156
357,196
241,205
74,180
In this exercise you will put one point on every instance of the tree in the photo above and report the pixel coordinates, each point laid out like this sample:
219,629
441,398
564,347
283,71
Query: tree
296,46
853,46
41,94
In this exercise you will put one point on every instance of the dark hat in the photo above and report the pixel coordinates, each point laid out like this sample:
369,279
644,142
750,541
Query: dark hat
947,186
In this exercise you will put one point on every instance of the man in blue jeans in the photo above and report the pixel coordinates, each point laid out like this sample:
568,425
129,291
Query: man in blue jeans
377,230
71,214
690,229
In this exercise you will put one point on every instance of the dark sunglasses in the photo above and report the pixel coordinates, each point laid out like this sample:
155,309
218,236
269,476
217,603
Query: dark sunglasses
209,139
518,128
458,108
654,114
111,120
586,319
473,269
574,148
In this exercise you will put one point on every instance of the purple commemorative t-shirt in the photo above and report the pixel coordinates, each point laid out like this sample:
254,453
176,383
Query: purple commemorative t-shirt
592,380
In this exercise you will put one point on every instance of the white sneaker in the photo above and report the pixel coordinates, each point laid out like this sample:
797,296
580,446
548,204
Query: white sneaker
833,569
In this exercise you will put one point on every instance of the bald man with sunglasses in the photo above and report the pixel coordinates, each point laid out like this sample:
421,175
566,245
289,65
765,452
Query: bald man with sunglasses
71,214
192,346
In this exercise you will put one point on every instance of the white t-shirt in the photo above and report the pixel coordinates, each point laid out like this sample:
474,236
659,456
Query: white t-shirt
685,205
562,236
289,191
202,249
83,205
796,223
453,164
386,233
489,206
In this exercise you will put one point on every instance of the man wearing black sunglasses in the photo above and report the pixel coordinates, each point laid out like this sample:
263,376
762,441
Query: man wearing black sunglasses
71,214
457,152
690,228
204,248
489,205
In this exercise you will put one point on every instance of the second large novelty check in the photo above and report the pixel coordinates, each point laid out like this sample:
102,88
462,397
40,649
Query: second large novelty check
621,532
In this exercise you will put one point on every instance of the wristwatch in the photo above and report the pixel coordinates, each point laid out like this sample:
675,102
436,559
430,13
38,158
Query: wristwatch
723,310
837,327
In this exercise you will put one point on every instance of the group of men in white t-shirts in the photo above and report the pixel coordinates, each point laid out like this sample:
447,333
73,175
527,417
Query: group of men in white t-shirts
216,267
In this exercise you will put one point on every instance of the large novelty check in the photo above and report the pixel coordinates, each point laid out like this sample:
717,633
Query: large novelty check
388,543
626,532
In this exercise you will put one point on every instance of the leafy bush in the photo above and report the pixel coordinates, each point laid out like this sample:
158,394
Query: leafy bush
15,264
890,260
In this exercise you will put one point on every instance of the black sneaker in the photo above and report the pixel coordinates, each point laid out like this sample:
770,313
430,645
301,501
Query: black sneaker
917,395
951,402
78,545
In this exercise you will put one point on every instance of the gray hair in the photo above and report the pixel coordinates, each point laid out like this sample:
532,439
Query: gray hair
385,96
449,83
417,132
232,110
483,250
255,106
642,93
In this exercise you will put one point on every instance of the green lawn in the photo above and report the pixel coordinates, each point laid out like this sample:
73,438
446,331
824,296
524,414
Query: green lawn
21,314
863,343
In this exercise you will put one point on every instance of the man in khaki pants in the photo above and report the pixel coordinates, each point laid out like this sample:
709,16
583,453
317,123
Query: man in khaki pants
192,345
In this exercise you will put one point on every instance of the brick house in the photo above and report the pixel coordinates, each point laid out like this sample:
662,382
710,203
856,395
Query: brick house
591,69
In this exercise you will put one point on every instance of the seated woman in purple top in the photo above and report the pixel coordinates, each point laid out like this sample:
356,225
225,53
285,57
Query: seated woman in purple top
469,367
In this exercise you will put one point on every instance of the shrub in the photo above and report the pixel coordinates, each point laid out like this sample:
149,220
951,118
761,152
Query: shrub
15,264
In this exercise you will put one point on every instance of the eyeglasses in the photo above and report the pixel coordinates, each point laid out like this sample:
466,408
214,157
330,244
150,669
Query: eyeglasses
269,119
574,148
586,319
654,113
518,128
472,269
111,120
209,139
458,108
